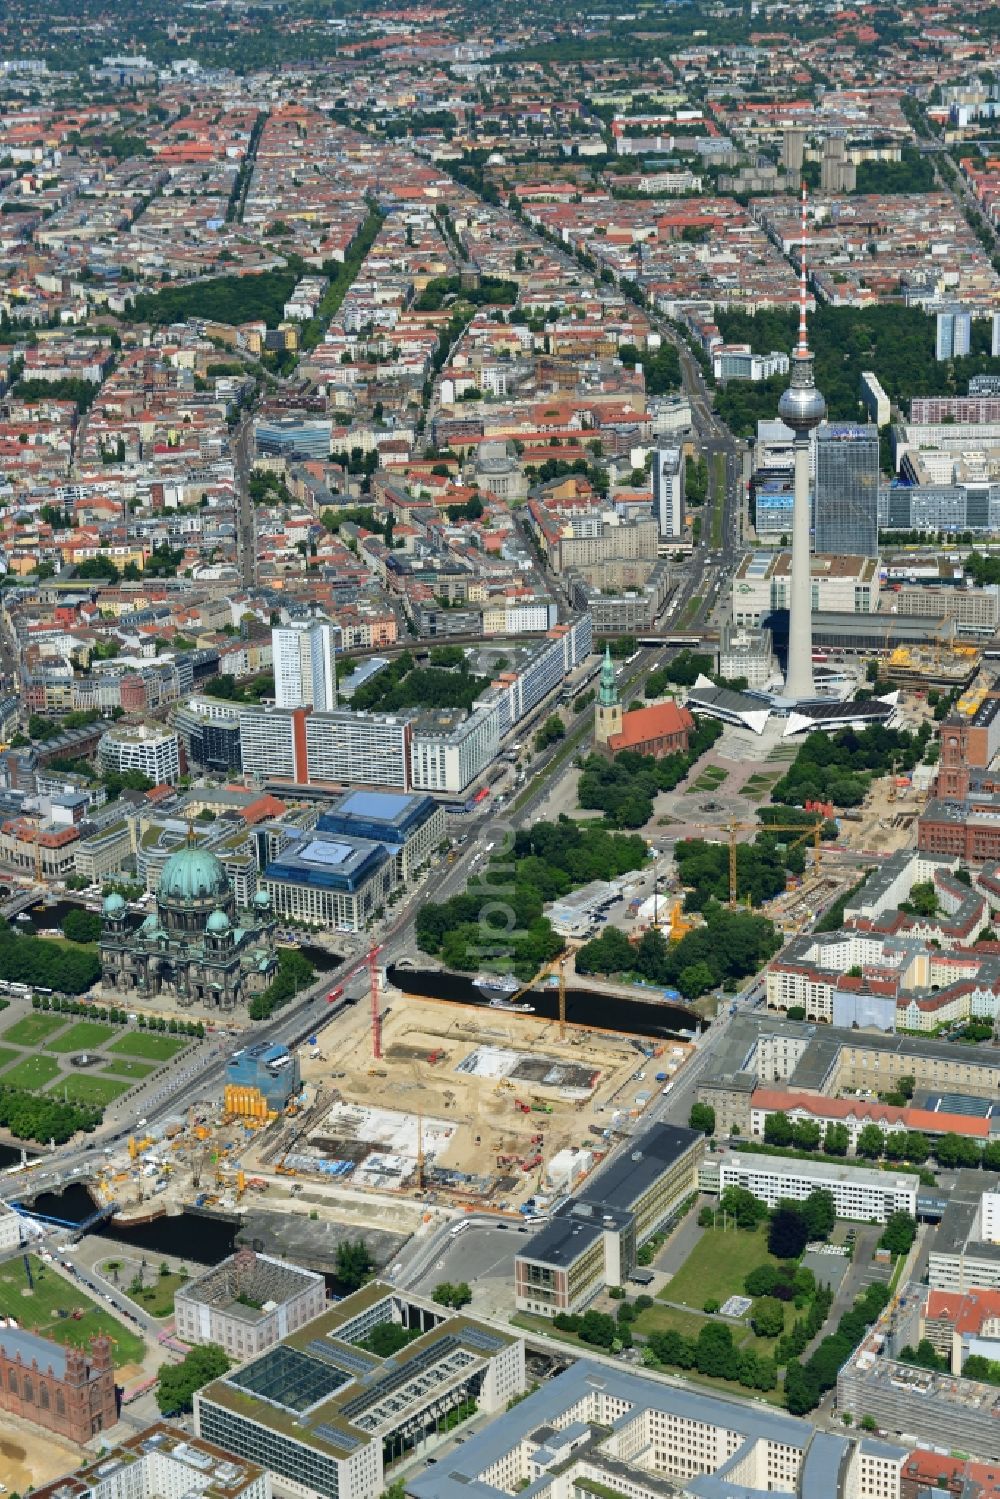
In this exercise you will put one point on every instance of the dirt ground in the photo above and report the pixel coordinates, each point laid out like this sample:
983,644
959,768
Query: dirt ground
30,1456
469,1120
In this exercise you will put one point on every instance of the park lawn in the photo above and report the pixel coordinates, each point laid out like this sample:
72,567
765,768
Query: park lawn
142,1044
85,1035
157,1298
660,1318
125,1067
9,1054
711,779
31,1030
718,1265
49,1309
32,1073
83,1087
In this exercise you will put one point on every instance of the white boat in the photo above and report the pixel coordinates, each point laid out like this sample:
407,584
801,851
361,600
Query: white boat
506,1004
496,985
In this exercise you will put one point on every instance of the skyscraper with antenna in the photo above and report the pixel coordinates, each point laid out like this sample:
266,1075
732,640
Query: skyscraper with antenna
802,408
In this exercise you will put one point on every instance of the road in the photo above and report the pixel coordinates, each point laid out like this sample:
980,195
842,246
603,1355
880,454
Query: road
246,541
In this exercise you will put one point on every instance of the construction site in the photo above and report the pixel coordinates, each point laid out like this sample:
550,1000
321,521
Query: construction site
404,1104
464,1105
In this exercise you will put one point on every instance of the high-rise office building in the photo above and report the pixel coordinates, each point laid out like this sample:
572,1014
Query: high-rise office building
846,492
305,666
954,333
668,492
995,339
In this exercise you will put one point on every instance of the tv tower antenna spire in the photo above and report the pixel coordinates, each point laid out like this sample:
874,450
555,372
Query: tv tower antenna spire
802,408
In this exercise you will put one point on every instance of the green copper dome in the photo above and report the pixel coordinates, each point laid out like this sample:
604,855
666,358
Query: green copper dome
218,923
192,874
114,905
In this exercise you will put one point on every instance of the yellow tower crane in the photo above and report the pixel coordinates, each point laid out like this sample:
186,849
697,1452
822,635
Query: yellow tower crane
732,829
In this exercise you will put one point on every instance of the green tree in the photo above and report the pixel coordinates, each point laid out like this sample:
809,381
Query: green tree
702,1117
788,1233
768,1317
820,1213
871,1142
899,1233
353,1264
743,1206
178,1382
81,926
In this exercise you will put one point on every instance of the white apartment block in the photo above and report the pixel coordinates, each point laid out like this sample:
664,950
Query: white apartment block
450,758
370,749
858,1192
304,659
267,743
149,749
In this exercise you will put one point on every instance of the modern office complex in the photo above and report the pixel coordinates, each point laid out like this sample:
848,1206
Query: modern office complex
598,1430
409,827
668,492
292,437
591,1241
846,491
147,748
940,507
329,880
161,1462
858,1192
305,667
440,751
247,1303
327,1418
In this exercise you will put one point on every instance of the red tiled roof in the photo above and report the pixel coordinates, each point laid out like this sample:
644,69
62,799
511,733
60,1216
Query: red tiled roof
655,722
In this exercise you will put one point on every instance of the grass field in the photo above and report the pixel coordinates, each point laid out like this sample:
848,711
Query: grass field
125,1067
32,1073
49,1309
717,1266
32,1030
660,1318
85,1035
157,1296
8,1054
156,1048
83,1087
710,779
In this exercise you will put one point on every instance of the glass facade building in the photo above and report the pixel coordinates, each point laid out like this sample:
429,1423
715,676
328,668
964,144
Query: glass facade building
845,521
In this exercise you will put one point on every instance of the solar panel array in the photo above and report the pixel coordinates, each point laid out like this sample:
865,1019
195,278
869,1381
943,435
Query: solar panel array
345,1440
290,1378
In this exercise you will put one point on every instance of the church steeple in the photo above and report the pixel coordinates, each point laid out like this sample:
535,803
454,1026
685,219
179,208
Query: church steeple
608,695
608,719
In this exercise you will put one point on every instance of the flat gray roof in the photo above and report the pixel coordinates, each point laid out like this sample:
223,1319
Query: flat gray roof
458,1476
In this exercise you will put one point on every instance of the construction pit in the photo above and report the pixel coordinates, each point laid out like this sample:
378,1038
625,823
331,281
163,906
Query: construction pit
466,1106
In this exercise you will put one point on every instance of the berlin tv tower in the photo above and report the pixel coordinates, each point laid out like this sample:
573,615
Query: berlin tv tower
802,408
